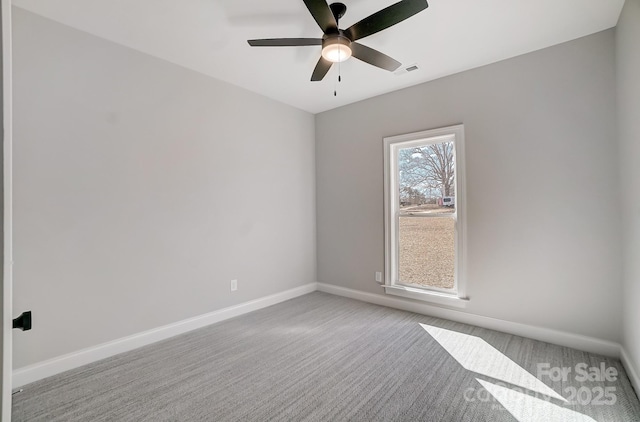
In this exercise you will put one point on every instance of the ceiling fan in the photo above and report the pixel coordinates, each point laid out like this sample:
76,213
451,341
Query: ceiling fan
338,44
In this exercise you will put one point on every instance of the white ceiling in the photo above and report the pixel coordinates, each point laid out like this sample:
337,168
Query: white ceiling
209,36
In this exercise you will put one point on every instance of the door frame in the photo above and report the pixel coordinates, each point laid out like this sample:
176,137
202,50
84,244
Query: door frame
7,226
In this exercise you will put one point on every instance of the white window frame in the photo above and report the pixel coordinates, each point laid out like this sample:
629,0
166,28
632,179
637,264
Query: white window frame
456,297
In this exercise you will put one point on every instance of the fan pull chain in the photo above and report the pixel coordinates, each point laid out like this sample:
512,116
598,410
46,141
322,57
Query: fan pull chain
335,90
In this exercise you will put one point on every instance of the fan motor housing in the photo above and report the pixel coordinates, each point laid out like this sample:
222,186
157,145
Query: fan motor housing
335,39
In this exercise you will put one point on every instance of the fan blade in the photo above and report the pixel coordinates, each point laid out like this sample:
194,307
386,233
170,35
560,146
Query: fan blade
321,69
323,15
374,57
285,42
385,18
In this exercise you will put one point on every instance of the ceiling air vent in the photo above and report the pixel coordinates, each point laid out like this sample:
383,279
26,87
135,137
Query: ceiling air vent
406,69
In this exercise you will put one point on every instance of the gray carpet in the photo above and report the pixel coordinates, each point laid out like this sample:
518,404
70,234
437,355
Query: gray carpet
321,357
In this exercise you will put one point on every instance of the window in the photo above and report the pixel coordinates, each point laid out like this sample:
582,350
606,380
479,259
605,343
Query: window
424,215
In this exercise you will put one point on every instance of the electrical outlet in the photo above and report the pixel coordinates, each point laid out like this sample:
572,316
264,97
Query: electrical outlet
378,276
234,285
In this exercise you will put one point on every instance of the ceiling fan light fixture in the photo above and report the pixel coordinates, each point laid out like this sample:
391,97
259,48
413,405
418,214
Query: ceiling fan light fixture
337,43
336,49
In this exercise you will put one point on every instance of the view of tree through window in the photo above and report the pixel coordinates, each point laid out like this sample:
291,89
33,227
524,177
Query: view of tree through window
426,194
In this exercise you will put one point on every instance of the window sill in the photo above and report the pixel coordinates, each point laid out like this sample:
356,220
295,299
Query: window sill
427,296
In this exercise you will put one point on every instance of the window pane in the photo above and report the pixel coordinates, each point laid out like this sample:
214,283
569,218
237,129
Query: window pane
427,251
427,178
426,175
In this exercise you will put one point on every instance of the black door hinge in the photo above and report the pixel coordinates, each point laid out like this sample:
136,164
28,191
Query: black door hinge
23,322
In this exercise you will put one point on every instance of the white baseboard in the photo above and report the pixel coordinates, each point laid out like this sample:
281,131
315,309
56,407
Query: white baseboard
76,359
631,370
575,341
73,360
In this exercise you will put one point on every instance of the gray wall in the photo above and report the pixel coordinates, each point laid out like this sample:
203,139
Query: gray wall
542,185
142,188
628,67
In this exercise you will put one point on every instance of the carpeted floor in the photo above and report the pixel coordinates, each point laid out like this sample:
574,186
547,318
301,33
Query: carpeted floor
321,357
